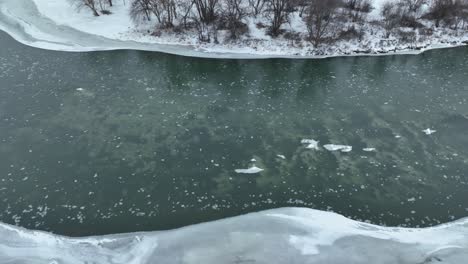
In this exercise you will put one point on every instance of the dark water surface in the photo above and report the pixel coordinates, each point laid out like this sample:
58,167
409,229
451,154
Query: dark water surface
107,142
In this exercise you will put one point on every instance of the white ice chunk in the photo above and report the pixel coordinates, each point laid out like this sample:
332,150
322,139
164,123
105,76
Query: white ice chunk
281,156
342,148
251,170
429,131
368,149
311,144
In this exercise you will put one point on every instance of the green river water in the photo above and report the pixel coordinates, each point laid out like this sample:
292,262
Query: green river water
120,141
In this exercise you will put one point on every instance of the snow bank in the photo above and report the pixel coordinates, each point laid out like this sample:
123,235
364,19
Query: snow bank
288,235
56,25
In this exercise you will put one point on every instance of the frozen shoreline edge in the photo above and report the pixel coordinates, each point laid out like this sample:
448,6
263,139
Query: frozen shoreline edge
190,51
285,235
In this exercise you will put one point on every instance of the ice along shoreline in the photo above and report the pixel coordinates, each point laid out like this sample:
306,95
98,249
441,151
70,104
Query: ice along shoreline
284,235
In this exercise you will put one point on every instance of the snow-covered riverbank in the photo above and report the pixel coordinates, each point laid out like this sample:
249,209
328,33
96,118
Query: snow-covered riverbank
56,25
288,235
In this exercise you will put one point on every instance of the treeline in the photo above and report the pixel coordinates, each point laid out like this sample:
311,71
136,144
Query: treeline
326,20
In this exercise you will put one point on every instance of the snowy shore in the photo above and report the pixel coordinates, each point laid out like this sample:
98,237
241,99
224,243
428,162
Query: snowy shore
56,25
287,235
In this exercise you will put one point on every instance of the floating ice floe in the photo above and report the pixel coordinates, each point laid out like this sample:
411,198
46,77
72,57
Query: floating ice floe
311,144
429,131
281,156
342,148
368,149
251,170
79,89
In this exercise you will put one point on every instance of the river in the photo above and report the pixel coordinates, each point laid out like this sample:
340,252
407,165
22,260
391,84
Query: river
121,141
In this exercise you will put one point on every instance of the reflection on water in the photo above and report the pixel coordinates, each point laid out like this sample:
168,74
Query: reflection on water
107,142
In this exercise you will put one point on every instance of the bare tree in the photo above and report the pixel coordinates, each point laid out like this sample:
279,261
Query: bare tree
206,10
167,11
357,9
442,10
464,14
257,6
451,12
185,9
140,10
163,10
391,16
320,15
232,15
414,6
91,4
408,13
103,6
278,13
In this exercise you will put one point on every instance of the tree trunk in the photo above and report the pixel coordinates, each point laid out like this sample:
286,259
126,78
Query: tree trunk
92,7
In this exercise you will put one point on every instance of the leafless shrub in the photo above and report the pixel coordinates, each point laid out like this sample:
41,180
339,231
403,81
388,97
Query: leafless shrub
357,9
260,25
391,14
292,36
140,10
231,18
408,37
351,33
91,4
206,10
257,6
414,6
206,32
163,10
168,12
300,6
452,13
278,14
185,10
320,15
103,5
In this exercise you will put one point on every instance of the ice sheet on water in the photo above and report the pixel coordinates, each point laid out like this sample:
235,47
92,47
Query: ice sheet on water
287,235
342,148
368,149
311,144
429,131
251,170
281,156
